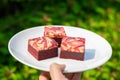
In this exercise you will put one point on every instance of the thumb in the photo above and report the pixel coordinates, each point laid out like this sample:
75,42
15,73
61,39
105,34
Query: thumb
56,71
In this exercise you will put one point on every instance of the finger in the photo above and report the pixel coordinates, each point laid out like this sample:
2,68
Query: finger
73,76
56,71
69,75
57,66
76,76
62,66
44,76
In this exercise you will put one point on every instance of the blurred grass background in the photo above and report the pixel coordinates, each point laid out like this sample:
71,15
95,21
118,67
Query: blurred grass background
99,16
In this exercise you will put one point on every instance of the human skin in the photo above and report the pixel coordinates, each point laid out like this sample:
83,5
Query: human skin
56,73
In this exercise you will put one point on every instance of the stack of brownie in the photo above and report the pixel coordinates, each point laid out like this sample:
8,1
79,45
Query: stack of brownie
55,37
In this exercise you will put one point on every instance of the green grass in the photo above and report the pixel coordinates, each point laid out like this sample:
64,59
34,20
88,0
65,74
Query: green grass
99,16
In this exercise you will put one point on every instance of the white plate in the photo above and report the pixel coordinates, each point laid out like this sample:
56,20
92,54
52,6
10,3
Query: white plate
97,52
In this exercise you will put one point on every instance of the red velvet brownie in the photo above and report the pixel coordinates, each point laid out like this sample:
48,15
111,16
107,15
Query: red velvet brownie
43,47
73,48
57,33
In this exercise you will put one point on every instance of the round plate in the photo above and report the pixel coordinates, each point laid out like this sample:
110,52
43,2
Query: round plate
97,50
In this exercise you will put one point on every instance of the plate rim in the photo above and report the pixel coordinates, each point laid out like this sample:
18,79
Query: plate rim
44,69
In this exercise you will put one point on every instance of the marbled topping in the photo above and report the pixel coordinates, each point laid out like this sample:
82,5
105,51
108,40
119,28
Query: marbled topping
73,44
58,32
42,43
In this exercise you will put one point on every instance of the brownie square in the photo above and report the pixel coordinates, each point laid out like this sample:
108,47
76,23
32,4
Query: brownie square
57,33
43,48
73,48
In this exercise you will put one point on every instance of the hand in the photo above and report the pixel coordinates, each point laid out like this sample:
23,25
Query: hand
56,73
